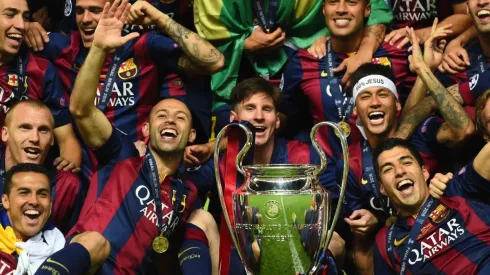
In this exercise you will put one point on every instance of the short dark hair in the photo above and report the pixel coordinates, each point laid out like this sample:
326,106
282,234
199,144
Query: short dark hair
370,69
20,168
37,104
251,86
392,143
481,128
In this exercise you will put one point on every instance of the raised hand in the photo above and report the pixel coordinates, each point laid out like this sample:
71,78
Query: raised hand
416,59
108,34
143,13
434,46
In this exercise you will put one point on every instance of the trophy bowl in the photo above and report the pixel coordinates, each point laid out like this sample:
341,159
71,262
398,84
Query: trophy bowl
281,213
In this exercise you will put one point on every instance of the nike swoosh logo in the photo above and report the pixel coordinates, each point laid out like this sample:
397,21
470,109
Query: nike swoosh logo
180,254
363,181
49,260
323,74
399,242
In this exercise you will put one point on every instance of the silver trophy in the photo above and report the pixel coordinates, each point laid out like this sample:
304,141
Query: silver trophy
281,213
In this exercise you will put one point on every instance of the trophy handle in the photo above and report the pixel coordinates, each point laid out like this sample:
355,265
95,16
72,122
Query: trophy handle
345,151
239,167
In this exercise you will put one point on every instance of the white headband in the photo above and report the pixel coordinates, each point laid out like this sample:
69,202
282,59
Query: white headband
374,80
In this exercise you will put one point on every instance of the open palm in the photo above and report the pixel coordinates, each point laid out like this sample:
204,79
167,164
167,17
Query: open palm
108,34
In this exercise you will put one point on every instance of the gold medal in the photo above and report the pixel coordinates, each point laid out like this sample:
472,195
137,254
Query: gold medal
344,127
391,220
160,244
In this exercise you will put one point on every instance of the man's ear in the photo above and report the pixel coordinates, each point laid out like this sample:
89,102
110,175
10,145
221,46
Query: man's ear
192,136
382,188
5,202
5,134
146,129
354,112
398,106
426,173
367,10
233,116
278,121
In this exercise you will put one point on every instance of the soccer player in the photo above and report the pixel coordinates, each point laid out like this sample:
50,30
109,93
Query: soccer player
25,76
139,204
478,51
28,136
420,15
376,104
255,100
320,82
29,242
258,37
433,236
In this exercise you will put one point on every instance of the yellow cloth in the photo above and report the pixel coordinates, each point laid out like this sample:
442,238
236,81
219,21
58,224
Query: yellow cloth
8,240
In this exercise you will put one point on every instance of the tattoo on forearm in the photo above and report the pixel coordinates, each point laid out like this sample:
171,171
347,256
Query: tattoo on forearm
414,117
199,50
377,31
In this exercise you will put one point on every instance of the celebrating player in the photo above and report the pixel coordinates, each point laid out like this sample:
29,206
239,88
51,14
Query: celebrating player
29,242
319,81
140,204
24,75
432,236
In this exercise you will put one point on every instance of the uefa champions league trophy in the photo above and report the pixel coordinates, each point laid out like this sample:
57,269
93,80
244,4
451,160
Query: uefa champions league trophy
281,213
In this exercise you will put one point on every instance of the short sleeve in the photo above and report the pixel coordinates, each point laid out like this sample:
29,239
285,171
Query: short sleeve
164,51
474,87
116,148
468,183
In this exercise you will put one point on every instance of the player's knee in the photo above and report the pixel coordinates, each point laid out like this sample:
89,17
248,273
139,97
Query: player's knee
96,244
256,250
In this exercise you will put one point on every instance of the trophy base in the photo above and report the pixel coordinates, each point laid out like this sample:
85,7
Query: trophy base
280,234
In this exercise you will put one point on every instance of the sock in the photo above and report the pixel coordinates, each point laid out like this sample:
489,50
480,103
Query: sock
63,263
194,256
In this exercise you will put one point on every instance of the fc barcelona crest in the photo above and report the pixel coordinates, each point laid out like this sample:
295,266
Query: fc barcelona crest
382,61
13,80
128,69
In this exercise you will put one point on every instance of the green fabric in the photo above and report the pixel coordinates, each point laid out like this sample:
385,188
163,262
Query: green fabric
228,27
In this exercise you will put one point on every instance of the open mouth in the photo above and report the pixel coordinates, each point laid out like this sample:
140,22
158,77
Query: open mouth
376,117
168,134
260,129
88,31
341,22
32,152
483,14
405,186
16,38
32,215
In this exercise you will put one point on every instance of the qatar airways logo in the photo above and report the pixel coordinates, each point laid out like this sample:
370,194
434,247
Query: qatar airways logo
122,95
414,10
436,242
147,203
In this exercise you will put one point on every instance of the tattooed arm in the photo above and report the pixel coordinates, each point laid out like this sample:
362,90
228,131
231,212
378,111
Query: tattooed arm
200,56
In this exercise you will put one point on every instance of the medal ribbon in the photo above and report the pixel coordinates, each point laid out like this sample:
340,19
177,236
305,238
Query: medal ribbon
155,189
429,205
368,168
18,92
266,21
106,92
344,104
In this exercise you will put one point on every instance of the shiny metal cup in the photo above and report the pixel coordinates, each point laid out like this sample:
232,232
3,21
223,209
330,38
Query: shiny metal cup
281,213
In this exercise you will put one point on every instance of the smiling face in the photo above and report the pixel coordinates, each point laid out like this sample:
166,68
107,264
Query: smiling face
403,180
259,110
170,127
14,21
480,12
345,18
28,203
28,133
377,108
88,14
